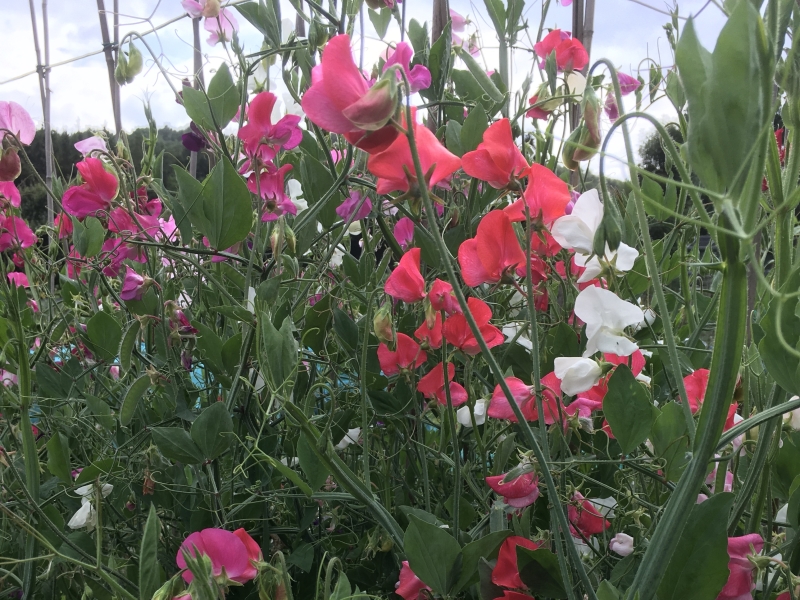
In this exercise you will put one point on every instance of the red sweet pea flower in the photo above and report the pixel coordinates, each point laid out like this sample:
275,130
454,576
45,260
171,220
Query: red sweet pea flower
409,586
262,138
496,160
570,53
394,167
696,385
442,297
98,190
430,337
432,386
340,101
547,197
512,595
520,492
740,582
500,408
232,552
494,254
458,333
407,357
505,572
15,233
584,518
406,282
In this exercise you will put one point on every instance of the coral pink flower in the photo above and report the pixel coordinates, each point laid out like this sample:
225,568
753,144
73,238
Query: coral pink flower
740,584
537,112
222,27
17,120
496,160
442,297
419,78
394,166
430,337
409,586
500,408
494,254
133,286
234,552
505,572
9,194
407,357
570,53
263,139
547,197
406,282
520,492
99,188
15,233
432,385
457,332
404,232
338,98
19,279
584,518
696,384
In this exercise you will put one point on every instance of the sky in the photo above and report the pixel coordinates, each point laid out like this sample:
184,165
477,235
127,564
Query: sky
626,32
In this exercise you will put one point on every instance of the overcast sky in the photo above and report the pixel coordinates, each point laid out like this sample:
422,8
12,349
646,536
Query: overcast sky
626,32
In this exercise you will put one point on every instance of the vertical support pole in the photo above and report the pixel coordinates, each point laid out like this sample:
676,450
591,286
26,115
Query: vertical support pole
108,50
198,81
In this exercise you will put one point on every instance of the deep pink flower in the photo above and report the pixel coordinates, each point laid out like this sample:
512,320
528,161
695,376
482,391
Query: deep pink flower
99,188
404,232
232,551
405,358
221,27
432,385
406,282
122,222
273,190
133,286
409,586
520,492
115,251
19,279
346,208
627,83
442,297
499,406
740,584
570,53
262,138
696,384
419,78
10,194
17,120
15,233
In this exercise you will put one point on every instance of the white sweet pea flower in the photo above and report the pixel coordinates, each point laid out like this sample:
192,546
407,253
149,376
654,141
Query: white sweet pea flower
577,374
576,83
605,506
510,330
86,516
621,544
576,231
295,189
792,418
351,437
463,416
606,317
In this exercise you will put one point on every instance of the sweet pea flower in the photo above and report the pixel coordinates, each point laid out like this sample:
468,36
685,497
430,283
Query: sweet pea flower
15,233
621,544
494,254
270,184
404,232
9,194
88,145
457,22
577,374
432,386
406,282
99,188
546,196
16,119
222,27
570,53
339,100
464,415
518,493
201,8
458,333
134,285
792,418
606,317
419,77
351,437
86,516
407,356
696,384
627,83
441,297
584,517
19,279
230,552
430,336
348,207
263,139
409,585
740,584
506,571
497,159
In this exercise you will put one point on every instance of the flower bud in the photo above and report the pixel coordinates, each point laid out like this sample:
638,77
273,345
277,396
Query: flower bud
211,9
382,325
590,141
291,239
374,109
10,166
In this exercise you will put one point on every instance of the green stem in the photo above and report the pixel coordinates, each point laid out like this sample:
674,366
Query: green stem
451,423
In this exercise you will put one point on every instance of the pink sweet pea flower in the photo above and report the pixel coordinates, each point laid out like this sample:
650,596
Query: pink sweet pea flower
17,120
404,232
221,27
406,282
272,188
409,586
584,517
122,222
10,194
457,21
627,83
419,78
201,8
441,297
233,552
15,233
432,386
134,286
740,584
339,100
263,139
520,492
86,146
99,188
346,208
407,356
19,279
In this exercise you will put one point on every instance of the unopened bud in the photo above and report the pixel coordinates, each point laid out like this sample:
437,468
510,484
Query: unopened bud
382,325
374,109
291,239
211,9
10,165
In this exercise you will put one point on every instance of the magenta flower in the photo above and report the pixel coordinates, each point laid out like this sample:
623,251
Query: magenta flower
627,83
346,208
98,190
116,251
231,552
86,146
457,21
10,194
270,185
19,279
15,233
122,222
221,27
740,582
133,286
17,120
404,232
263,139
419,78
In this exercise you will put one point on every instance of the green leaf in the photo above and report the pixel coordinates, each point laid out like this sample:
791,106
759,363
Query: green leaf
380,20
100,411
781,320
88,236
675,90
104,334
346,329
670,439
58,457
97,469
699,566
176,444
261,15
475,125
452,137
317,182
654,195
481,77
315,471
219,107
439,61
231,353
210,430
539,570
418,35
281,352
606,591
132,397
149,572
497,14
628,408
432,553
126,346
289,473
315,325
793,508
486,548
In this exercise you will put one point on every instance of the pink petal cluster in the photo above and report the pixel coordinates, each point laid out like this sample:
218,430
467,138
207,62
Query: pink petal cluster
16,119
231,552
